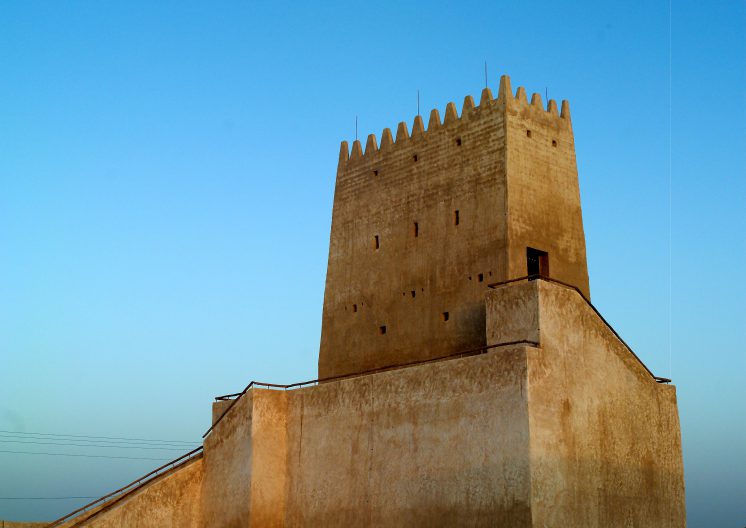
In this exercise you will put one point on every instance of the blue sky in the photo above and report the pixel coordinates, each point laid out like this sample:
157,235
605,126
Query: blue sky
166,181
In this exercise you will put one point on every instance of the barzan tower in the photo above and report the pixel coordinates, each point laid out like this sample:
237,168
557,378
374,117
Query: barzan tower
463,243
423,224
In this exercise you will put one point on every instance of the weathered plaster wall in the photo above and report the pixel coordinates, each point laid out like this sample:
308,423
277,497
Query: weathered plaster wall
510,192
439,444
245,462
227,460
269,464
169,501
605,438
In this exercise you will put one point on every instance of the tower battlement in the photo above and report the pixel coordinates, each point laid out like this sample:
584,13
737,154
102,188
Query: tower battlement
469,110
423,222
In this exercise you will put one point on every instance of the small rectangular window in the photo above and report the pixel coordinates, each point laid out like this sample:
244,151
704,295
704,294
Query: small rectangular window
376,242
354,307
444,316
480,277
528,133
456,217
413,293
537,263
416,229
382,329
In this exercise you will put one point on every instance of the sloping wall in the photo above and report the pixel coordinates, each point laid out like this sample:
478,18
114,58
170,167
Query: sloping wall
169,501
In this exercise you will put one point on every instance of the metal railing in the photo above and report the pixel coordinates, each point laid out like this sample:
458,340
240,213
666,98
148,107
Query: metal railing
237,396
472,352
125,491
493,285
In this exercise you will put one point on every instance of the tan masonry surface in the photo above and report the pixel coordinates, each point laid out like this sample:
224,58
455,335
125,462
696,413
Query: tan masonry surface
421,225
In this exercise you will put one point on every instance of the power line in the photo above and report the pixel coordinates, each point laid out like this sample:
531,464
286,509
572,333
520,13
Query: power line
98,437
91,445
24,437
45,498
84,456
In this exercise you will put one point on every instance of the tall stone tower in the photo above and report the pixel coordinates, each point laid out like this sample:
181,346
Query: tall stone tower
556,423
424,223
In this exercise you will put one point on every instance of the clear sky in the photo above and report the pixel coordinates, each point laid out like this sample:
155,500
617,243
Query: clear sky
166,181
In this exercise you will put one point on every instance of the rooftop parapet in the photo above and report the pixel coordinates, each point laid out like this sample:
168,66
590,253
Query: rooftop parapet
505,98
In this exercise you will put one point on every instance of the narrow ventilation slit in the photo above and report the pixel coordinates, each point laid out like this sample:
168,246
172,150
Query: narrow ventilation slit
554,142
528,133
375,172
480,277
354,308
413,293
416,229
444,316
458,142
376,242
415,158
456,217
382,330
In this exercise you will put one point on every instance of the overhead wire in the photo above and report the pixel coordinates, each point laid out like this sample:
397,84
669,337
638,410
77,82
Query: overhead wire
12,437
96,437
171,448
81,455
46,498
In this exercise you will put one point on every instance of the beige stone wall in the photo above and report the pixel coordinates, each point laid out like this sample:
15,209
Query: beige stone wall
227,460
440,444
434,445
510,192
605,438
270,458
245,462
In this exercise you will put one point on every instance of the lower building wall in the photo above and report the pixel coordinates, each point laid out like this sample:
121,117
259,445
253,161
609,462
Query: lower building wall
440,444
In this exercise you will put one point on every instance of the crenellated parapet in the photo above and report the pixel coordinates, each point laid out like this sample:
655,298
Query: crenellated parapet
505,100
